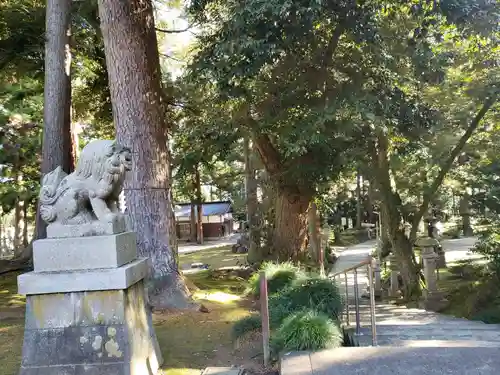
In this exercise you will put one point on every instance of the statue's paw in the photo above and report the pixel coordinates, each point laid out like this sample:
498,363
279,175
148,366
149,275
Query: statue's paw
111,217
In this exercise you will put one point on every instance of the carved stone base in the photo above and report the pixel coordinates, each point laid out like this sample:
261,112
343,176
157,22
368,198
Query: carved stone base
96,228
90,333
96,252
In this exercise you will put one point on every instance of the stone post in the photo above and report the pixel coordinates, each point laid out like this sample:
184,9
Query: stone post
429,260
433,299
86,307
394,286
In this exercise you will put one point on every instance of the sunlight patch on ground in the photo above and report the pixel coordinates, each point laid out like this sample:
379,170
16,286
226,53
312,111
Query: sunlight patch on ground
220,297
181,371
234,315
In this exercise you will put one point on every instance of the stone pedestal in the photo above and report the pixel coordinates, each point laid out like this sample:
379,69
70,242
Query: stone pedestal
86,309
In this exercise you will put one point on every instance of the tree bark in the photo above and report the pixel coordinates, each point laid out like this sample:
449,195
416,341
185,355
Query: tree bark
254,254
193,228
401,245
359,203
199,206
370,203
140,118
56,145
314,233
290,230
18,218
465,214
25,223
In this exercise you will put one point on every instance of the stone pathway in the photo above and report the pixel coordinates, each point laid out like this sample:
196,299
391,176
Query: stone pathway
410,341
187,247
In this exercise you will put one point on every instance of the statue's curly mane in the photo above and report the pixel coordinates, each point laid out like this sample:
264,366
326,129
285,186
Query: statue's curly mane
93,161
98,162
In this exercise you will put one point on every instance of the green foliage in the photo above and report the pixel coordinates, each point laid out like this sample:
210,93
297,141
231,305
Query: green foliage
489,316
307,330
278,275
489,247
245,325
319,294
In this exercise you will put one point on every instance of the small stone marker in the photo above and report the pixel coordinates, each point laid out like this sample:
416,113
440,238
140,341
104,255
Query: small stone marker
433,298
85,300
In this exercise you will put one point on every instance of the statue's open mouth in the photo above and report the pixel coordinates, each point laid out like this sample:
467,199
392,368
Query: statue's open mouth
127,161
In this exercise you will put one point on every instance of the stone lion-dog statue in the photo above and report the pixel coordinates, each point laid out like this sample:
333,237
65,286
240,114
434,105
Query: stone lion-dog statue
90,194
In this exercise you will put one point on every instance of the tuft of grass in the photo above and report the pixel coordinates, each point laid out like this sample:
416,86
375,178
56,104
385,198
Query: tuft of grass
307,330
315,293
278,275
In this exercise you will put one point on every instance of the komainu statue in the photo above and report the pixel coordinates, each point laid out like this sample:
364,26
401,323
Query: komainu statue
90,194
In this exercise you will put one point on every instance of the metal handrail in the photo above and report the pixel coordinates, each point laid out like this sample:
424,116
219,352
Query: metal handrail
369,263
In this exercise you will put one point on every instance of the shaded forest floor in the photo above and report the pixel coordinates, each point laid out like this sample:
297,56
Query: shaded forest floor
472,291
189,340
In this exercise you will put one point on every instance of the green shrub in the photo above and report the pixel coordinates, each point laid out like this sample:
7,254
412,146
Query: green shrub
489,316
245,325
306,330
319,294
279,276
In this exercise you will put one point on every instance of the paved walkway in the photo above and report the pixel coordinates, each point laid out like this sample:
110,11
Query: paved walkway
410,341
191,248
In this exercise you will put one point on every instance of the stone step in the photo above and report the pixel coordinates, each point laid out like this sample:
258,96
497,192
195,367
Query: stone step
365,341
392,360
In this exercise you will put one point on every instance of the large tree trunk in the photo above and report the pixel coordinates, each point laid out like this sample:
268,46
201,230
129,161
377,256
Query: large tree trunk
57,145
140,118
254,253
314,233
290,228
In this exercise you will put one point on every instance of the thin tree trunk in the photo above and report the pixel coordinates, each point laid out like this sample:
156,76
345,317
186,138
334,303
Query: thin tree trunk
193,228
139,115
359,203
18,212
18,218
199,206
370,203
446,166
254,253
25,224
56,146
465,213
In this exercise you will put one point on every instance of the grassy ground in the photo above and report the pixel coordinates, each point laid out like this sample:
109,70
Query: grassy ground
216,258
189,340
